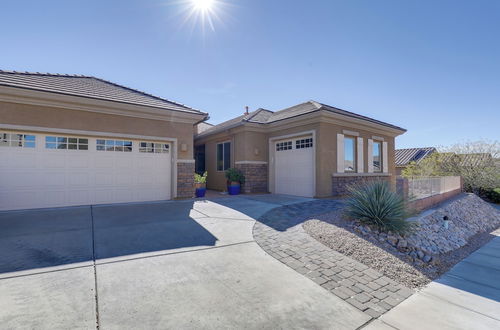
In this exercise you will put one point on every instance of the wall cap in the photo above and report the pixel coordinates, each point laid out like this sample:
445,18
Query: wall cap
359,174
256,162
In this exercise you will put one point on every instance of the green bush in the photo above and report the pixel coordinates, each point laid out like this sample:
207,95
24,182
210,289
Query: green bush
492,195
200,178
235,175
376,204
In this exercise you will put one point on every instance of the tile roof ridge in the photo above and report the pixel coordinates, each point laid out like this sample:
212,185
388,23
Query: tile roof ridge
255,113
45,74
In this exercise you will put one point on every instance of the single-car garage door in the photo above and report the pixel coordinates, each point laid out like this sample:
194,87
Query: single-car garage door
294,166
52,170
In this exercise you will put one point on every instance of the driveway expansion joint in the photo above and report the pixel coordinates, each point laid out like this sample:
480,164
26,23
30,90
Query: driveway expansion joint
96,295
279,232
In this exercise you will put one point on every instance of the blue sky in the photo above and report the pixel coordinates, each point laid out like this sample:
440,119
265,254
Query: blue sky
432,67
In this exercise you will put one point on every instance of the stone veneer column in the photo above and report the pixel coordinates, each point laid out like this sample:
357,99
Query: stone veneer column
185,180
340,184
255,177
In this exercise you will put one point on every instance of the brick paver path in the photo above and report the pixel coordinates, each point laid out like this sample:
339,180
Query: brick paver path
279,232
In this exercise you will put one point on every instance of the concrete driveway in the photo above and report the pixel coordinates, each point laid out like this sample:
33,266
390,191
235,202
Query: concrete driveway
179,264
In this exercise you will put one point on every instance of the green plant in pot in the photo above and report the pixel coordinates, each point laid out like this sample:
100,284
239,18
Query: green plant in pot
200,182
235,179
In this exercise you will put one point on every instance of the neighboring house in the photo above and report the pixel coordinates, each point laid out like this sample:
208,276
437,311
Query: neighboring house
78,140
406,156
310,149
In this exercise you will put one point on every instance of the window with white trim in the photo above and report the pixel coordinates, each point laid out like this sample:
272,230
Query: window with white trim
285,145
65,143
152,147
114,145
17,140
303,143
377,156
349,154
223,156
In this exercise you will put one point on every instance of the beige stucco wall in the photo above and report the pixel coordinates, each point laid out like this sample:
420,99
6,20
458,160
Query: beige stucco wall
215,179
51,117
245,140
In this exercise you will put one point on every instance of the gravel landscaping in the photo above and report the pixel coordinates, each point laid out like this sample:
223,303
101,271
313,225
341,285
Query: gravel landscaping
414,260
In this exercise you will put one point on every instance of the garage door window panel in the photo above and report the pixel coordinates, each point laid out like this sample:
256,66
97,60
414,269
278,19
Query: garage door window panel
114,145
223,156
285,145
66,143
17,140
304,143
151,147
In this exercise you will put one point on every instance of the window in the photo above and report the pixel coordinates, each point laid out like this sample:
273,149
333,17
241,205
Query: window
152,147
349,154
377,156
304,143
71,143
114,145
17,140
223,156
287,145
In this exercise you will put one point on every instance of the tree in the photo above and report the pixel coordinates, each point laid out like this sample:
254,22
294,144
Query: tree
478,163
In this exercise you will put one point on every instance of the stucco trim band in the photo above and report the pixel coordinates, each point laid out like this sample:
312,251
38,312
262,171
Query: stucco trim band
82,132
256,162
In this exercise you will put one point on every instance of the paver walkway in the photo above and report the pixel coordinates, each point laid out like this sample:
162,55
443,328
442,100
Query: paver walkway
466,297
279,232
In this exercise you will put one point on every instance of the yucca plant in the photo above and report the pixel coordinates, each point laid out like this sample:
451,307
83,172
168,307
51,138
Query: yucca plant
376,204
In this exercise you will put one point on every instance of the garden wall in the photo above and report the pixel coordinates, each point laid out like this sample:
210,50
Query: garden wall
425,193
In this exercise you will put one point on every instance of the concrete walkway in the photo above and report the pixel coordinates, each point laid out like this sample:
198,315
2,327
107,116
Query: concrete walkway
466,297
180,264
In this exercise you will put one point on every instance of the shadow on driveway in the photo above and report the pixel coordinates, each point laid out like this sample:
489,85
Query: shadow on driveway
35,239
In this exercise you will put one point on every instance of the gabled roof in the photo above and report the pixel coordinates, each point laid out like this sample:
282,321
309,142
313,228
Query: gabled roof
404,156
263,116
88,87
259,116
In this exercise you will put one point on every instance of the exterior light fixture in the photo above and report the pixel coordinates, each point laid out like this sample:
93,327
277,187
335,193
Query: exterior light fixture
446,222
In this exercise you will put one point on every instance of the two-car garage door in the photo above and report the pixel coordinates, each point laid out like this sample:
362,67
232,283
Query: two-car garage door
52,170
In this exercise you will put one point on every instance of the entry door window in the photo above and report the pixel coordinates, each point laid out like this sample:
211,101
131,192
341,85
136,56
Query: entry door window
223,156
349,154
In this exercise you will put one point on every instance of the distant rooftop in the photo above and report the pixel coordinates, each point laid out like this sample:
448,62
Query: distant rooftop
405,156
89,87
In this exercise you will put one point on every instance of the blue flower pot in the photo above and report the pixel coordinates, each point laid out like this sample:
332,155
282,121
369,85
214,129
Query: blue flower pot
233,190
200,192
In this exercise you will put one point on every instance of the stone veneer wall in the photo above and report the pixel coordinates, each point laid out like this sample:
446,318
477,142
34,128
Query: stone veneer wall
255,177
341,183
185,180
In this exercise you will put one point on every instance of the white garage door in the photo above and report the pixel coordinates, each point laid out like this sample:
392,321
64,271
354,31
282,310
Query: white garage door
293,166
50,170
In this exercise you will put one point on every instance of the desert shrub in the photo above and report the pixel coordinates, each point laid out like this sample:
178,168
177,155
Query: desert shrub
376,204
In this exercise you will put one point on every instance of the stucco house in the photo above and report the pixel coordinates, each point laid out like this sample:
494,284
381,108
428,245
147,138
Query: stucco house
310,149
406,156
79,140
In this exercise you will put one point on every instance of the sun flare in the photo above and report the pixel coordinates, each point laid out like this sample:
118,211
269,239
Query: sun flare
203,4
